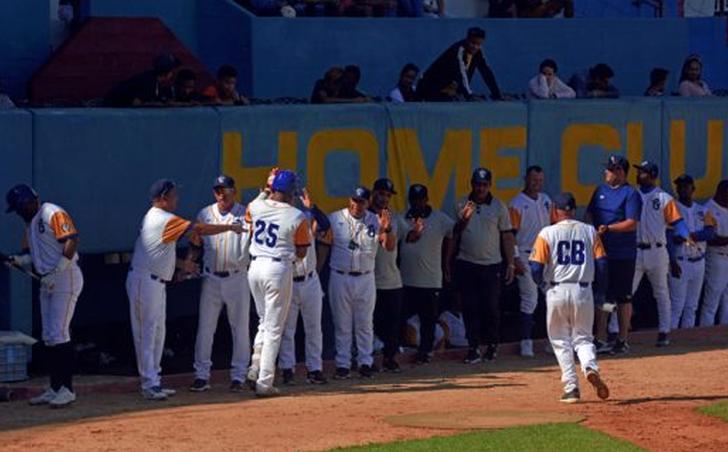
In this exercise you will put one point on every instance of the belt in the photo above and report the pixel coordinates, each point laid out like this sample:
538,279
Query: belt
354,274
222,274
647,246
691,259
302,278
154,277
582,284
526,251
274,259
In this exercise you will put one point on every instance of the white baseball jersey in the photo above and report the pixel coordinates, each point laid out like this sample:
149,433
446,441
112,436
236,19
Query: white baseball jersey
228,251
528,217
155,250
568,250
720,215
421,260
355,241
386,272
480,242
696,217
659,210
48,229
277,229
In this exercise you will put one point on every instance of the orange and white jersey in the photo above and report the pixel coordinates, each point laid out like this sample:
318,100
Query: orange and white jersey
155,250
226,252
302,267
528,217
568,250
47,232
720,215
659,210
355,241
277,229
696,217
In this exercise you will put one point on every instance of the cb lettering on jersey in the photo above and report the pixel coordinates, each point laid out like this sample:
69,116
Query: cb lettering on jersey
571,252
266,233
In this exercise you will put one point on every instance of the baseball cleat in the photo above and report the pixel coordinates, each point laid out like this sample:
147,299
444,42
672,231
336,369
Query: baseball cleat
64,397
620,348
288,377
154,394
166,391
527,348
596,381
391,365
316,378
572,396
662,340
491,352
342,373
237,386
423,358
602,347
366,371
43,399
267,392
199,385
473,356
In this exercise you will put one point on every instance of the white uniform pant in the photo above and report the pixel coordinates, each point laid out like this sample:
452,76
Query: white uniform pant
233,293
352,300
58,305
685,292
270,283
147,305
527,288
655,264
308,300
716,290
569,322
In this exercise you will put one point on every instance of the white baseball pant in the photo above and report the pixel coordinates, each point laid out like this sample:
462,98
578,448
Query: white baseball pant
270,283
655,264
569,322
58,305
527,288
307,299
716,289
147,305
685,292
233,293
352,300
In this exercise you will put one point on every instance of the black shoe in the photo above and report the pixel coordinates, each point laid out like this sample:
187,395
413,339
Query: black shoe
391,365
366,371
375,368
199,385
287,375
491,352
620,348
612,338
237,386
572,396
342,373
423,358
473,356
602,347
662,340
316,378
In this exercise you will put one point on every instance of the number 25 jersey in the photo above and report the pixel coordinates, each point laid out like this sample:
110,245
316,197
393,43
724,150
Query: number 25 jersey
277,229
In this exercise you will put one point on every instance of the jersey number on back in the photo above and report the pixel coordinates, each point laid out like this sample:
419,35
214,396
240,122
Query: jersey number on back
570,252
266,233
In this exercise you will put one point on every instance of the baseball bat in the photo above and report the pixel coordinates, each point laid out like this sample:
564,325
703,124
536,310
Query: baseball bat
5,259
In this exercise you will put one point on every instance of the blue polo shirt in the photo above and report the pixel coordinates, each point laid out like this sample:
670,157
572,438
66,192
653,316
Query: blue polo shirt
613,205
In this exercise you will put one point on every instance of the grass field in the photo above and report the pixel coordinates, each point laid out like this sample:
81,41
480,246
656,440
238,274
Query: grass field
719,410
551,437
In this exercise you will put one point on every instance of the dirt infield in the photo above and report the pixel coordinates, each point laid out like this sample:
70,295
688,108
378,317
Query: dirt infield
654,394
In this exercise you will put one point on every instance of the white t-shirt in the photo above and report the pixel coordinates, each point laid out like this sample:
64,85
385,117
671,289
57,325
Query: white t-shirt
528,217
421,261
47,232
277,228
480,242
155,248
355,241
226,252
386,272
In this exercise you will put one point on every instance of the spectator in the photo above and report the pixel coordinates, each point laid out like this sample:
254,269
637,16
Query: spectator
349,82
332,89
405,89
151,88
502,9
544,8
185,88
5,101
658,82
434,8
448,78
368,8
223,92
691,84
410,8
596,83
546,85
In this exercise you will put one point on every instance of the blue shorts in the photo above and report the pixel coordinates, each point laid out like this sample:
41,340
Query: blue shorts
621,274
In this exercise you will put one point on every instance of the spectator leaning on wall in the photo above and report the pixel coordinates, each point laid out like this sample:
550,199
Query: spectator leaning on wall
691,82
658,82
595,83
405,89
224,92
151,88
185,89
546,85
349,85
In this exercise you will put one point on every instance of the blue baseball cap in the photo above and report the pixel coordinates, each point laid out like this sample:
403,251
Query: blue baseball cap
161,188
223,181
285,181
565,201
648,167
481,175
361,193
617,161
417,191
19,195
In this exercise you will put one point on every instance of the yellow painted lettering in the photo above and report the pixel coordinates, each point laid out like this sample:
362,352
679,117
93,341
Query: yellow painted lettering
491,142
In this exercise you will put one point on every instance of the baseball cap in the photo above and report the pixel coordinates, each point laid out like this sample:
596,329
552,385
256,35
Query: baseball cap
565,201
284,182
360,193
165,63
684,179
161,188
481,175
648,167
617,161
19,195
224,182
384,184
417,191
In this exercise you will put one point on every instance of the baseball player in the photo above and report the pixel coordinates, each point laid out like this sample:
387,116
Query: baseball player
225,271
280,233
659,210
307,299
530,212
152,267
566,256
352,290
716,261
687,267
50,246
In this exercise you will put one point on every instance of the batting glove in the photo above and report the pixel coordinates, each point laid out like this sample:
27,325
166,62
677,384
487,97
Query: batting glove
21,260
48,281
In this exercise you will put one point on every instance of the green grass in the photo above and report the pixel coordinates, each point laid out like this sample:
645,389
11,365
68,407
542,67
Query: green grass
719,410
548,437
